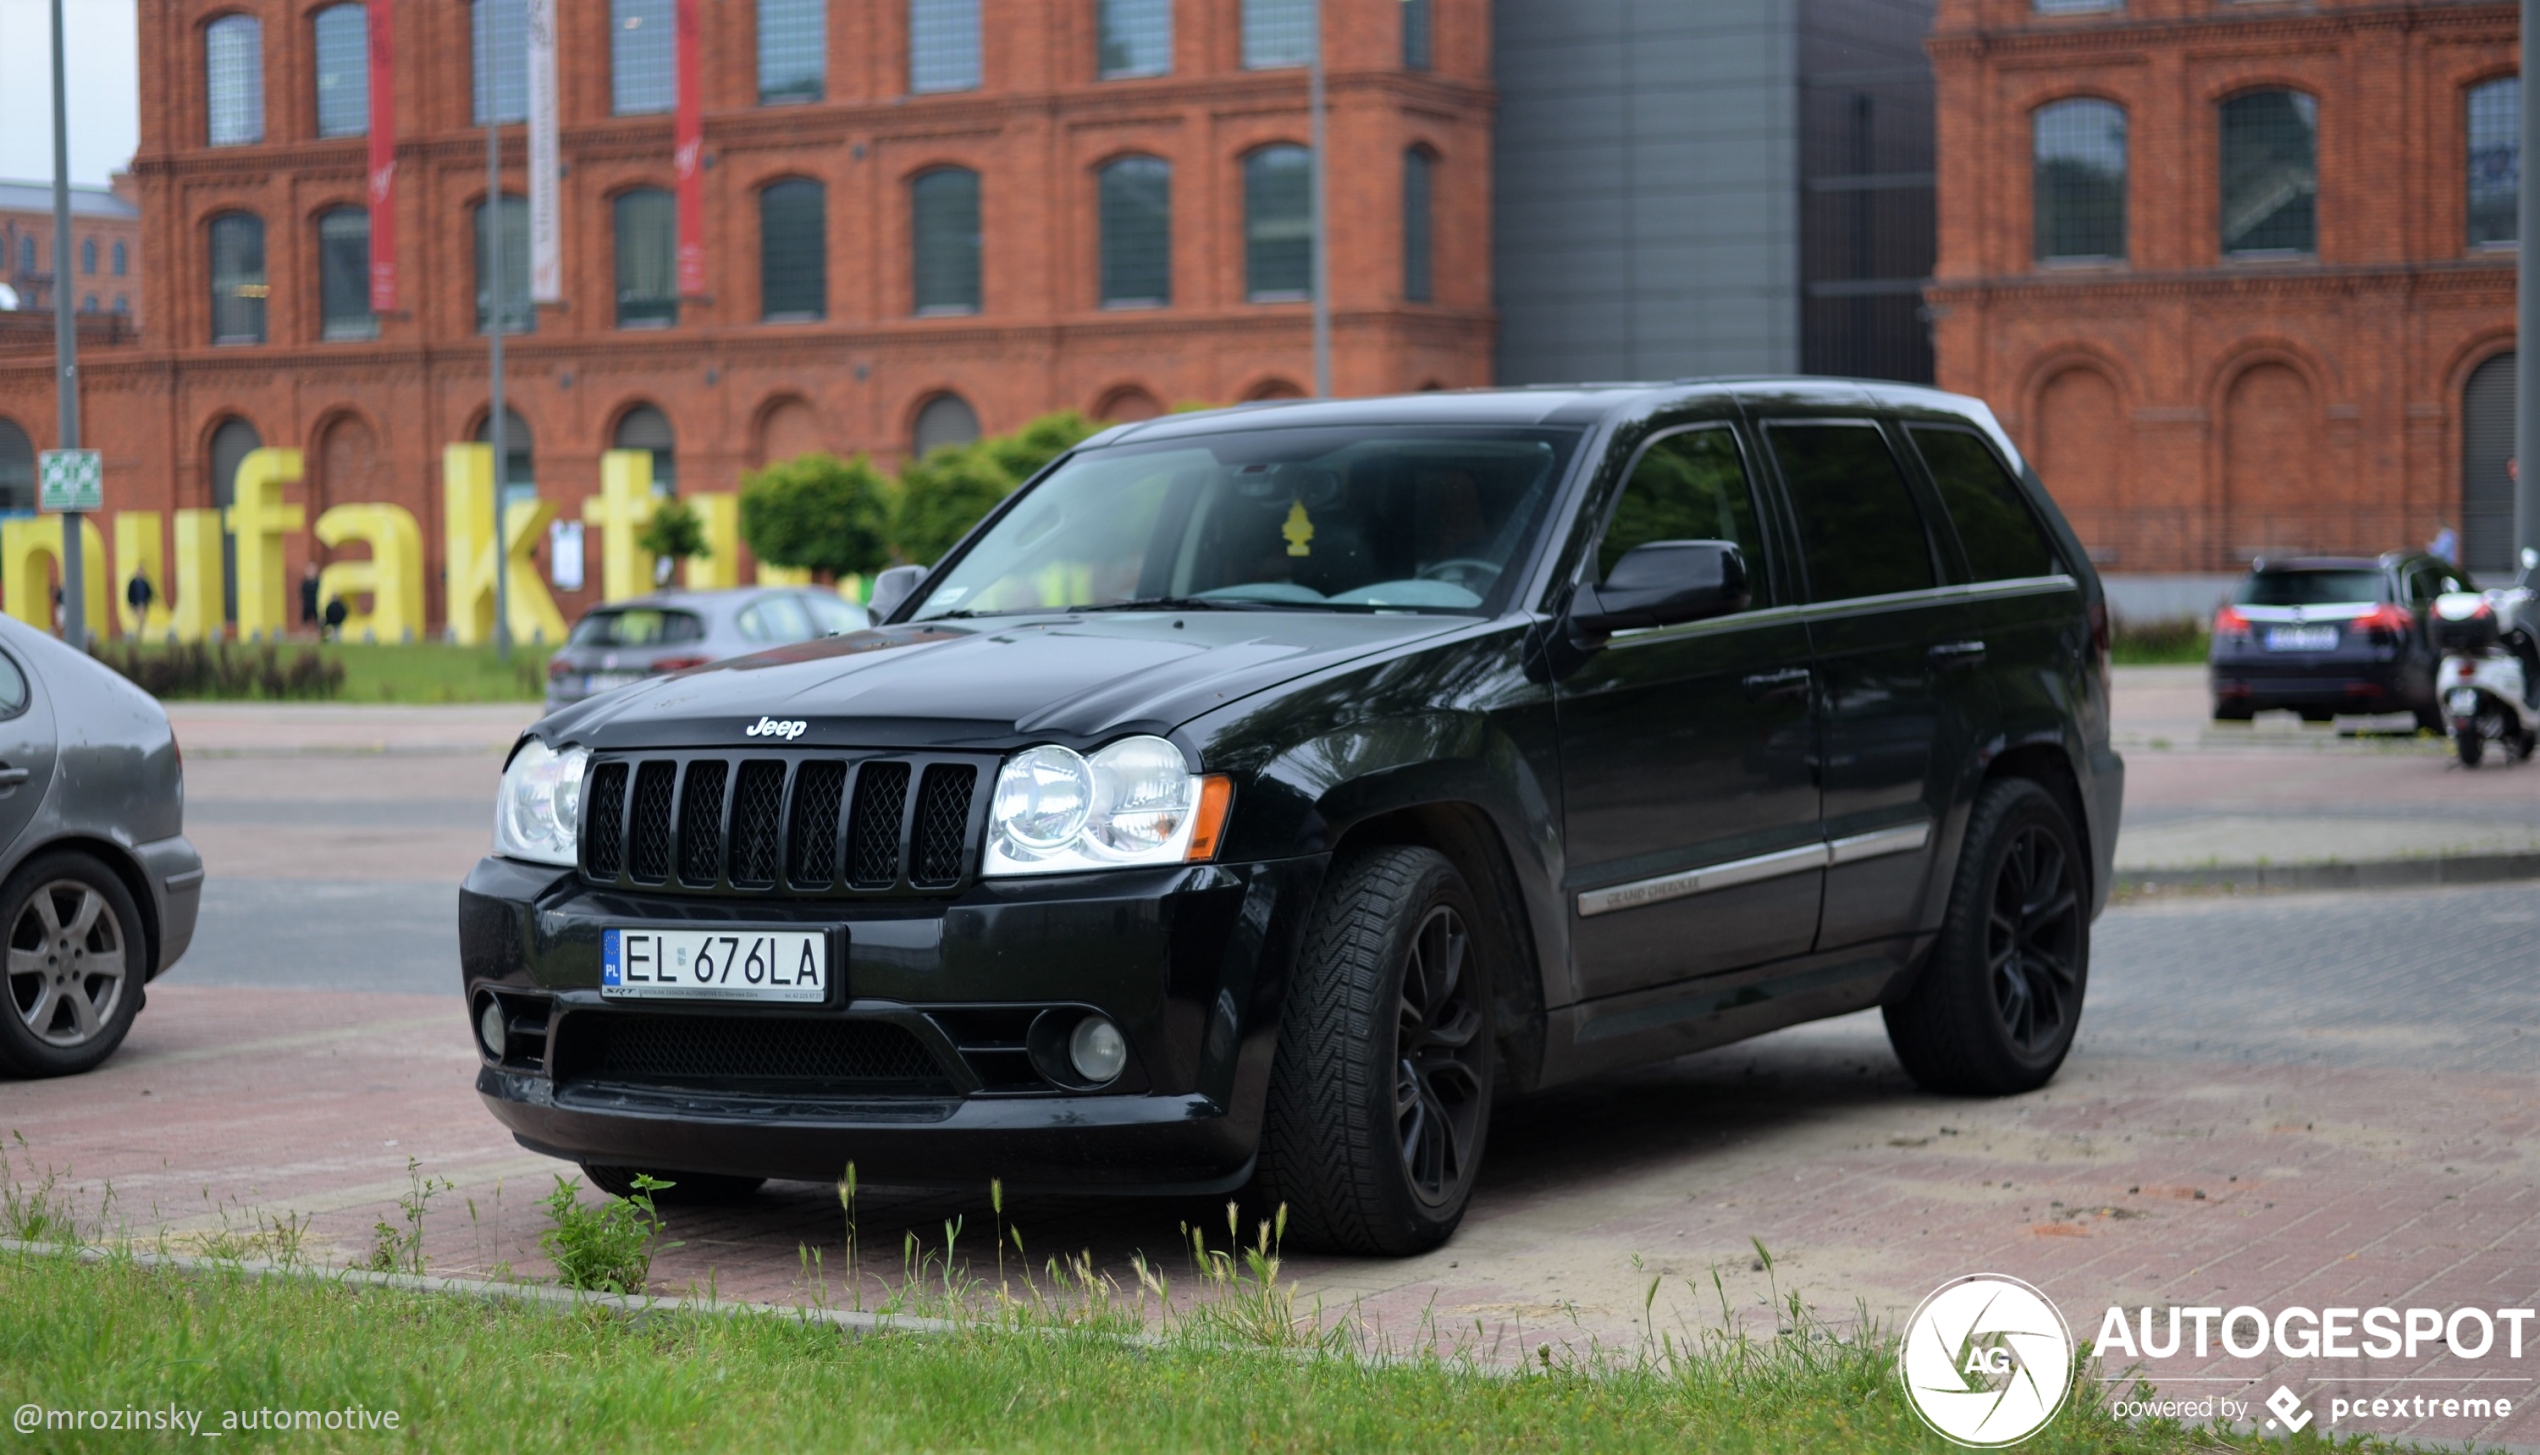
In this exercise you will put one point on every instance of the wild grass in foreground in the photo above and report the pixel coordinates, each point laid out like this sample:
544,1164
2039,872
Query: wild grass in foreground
464,1374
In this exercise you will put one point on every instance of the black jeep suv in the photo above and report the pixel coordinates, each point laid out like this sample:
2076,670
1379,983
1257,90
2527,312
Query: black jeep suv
1257,795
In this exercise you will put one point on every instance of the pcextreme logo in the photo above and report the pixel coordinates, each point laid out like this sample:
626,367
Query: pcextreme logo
1987,1361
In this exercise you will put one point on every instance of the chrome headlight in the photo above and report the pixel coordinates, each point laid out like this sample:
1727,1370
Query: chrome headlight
539,804
1057,811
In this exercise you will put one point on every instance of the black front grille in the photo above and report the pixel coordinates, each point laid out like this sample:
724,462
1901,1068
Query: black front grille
608,820
744,1052
817,825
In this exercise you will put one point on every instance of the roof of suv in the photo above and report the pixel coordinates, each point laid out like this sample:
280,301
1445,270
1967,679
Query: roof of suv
1533,404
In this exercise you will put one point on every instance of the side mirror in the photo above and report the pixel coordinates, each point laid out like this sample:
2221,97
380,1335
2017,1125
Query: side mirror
2530,558
892,587
1664,583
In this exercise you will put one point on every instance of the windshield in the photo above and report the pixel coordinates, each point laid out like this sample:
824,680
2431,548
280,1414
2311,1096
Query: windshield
638,627
2310,588
1367,519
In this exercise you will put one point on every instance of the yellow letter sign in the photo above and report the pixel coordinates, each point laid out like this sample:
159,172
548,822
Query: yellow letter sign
259,520
467,498
392,577
31,551
624,503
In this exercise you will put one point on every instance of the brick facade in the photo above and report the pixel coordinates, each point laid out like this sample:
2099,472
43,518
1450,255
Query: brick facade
374,415
101,219
2191,409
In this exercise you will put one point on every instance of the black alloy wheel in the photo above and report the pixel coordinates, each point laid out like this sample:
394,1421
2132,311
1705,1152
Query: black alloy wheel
1380,1092
1439,1090
2030,937
1993,1009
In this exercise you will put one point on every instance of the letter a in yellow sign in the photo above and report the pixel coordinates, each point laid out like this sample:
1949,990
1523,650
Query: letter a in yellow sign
1299,530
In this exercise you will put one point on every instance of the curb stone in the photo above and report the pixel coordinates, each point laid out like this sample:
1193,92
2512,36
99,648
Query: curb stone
2371,874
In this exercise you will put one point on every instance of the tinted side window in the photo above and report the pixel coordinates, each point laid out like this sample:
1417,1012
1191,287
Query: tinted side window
1859,527
1994,522
1688,487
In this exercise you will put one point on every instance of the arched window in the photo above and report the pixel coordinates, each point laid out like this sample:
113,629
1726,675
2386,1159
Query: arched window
1277,33
122,260
231,444
17,467
342,33
1419,240
1418,46
1136,38
2079,186
793,251
123,304
947,419
1137,233
498,37
343,236
647,233
1279,224
238,278
793,51
511,227
2270,174
643,57
520,447
944,219
88,255
234,80
943,45
2487,447
2495,163
88,303
647,428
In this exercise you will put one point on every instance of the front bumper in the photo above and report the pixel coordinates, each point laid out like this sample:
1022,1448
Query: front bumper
922,1072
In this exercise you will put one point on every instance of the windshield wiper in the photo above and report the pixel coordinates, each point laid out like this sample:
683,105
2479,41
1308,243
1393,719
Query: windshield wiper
1198,603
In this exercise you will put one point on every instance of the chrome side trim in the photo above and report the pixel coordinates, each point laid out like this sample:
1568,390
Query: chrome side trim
1903,839
1851,849
1701,881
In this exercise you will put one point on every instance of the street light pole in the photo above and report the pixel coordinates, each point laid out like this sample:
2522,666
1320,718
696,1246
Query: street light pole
495,325
66,350
1322,243
2527,304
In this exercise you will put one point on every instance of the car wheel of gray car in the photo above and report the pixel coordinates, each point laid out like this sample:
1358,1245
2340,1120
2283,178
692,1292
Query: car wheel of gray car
1380,1094
76,960
687,1189
1994,1010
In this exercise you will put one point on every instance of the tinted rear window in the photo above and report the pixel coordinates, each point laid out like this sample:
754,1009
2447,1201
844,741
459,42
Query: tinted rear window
1994,522
2312,588
1858,524
638,627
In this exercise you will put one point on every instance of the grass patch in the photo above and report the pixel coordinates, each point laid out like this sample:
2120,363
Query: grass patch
2176,642
331,671
464,1374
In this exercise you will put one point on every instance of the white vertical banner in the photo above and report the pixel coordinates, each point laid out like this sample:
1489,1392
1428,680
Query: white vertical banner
546,250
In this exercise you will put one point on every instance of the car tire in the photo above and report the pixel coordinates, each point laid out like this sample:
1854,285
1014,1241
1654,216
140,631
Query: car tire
77,960
687,1189
2318,714
1995,1008
2232,712
1372,1144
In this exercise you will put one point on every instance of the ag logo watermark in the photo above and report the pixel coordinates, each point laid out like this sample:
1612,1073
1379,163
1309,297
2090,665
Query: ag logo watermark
1987,1361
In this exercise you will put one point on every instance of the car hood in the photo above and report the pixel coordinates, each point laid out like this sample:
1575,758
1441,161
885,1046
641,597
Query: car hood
989,684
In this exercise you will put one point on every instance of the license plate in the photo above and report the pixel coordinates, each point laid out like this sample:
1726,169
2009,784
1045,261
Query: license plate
2464,702
2301,638
603,681
784,966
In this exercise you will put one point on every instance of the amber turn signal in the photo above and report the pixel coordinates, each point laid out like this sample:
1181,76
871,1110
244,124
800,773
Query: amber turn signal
1208,827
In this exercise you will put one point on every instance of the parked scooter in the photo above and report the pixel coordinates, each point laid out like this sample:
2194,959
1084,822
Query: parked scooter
2491,667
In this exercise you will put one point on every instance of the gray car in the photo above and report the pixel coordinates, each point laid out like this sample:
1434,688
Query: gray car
98,887
670,631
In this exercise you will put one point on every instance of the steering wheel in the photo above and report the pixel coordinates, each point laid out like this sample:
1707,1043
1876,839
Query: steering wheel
1469,572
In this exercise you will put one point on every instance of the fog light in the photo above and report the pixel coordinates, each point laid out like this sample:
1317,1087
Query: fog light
1097,1050
489,1028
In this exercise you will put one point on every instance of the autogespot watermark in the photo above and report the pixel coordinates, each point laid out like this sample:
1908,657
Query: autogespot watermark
1988,1360
36,1419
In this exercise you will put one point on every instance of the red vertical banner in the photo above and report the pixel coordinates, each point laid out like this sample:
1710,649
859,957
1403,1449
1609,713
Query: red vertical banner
383,156
688,142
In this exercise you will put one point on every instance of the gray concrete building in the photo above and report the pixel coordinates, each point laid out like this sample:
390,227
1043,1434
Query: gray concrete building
1712,187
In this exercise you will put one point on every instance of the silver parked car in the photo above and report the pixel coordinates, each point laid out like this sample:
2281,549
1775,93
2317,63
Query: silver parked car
98,887
669,631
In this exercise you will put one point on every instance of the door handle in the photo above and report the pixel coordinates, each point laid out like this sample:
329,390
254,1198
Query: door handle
1775,684
11,778
1957,654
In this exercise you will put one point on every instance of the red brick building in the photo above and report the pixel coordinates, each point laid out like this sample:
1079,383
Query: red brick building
105,263
2239,275
908,204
